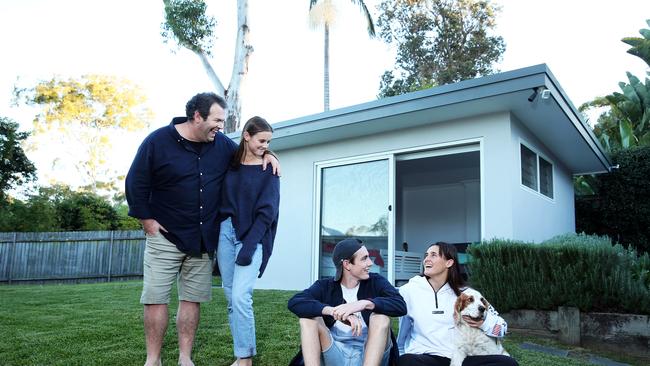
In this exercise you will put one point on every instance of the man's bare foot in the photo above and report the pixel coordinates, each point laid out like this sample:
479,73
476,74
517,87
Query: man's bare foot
185,361
153,363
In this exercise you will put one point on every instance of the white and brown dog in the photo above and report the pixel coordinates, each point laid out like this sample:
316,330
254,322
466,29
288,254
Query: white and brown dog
472,341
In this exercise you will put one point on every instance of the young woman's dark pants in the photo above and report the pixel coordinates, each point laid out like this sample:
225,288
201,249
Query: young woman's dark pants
410,359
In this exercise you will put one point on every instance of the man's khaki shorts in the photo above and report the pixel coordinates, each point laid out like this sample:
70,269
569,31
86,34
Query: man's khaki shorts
163,263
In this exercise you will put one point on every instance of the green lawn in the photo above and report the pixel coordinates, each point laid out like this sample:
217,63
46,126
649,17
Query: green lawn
101,324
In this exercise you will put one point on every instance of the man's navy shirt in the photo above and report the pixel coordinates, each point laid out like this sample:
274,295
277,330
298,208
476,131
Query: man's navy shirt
171,182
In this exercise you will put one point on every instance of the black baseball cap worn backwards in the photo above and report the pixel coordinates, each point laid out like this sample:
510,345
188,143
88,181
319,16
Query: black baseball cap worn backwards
343,250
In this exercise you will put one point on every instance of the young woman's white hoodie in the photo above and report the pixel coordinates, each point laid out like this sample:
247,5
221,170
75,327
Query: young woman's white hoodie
428,327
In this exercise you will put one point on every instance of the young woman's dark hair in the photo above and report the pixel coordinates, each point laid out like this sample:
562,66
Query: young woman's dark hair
202,103
454,277
254,125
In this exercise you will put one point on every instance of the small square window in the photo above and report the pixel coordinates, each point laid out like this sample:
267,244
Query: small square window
528,168
545,178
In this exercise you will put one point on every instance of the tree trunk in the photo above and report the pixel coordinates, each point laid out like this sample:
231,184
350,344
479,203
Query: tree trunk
326,69
243,50
218,86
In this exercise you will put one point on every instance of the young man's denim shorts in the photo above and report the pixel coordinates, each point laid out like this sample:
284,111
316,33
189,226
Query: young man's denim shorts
341,353
164,263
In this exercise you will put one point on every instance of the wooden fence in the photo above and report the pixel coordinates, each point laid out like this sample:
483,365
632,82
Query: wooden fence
85,256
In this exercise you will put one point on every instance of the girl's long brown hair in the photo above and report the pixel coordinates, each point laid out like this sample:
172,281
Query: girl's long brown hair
254,125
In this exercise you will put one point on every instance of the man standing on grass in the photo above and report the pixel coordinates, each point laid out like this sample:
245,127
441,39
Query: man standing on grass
174,188
345,320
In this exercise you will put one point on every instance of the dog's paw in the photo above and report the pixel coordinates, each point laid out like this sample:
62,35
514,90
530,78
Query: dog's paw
457,359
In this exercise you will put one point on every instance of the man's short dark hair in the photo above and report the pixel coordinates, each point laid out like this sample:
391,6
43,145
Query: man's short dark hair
202,103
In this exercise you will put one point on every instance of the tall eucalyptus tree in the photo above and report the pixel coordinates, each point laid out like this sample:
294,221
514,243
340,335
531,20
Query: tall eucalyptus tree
187,23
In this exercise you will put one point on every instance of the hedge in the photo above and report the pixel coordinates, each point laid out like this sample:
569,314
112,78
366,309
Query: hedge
621,207
584,271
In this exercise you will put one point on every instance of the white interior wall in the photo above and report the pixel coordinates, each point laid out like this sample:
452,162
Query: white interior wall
432,213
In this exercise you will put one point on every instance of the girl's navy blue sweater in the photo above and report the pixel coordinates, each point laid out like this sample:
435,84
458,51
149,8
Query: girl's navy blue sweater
251,196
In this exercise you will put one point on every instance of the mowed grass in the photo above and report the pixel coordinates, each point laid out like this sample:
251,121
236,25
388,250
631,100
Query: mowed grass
101,324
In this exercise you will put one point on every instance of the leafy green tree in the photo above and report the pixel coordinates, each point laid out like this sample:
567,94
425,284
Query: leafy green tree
438,42
58,208
625,123
187,23
640,45
37,213
626,120
84,115
86,211
126,222
323,13
15,167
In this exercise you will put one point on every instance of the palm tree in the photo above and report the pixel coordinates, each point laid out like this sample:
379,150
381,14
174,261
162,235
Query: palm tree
323,13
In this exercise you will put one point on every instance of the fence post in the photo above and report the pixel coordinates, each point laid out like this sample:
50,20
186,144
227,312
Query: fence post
10,258
110,255
569,323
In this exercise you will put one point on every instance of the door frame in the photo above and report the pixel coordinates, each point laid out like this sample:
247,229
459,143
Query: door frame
316,233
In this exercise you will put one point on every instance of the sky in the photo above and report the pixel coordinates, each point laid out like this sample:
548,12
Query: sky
578,39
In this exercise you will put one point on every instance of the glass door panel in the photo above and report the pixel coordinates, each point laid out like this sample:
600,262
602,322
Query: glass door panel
354,203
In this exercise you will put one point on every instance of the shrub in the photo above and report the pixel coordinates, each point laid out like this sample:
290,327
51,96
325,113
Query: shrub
584,271
126,222
621,208
86,211
58,208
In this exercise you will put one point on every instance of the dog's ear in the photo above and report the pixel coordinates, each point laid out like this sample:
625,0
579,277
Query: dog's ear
458,306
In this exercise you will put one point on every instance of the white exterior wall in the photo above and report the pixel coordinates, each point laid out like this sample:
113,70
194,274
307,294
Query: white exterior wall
290,266
290,262
535,216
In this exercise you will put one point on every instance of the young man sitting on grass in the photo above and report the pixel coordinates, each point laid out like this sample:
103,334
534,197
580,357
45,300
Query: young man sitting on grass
345,320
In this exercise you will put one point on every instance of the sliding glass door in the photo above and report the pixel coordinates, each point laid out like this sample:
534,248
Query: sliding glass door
355,201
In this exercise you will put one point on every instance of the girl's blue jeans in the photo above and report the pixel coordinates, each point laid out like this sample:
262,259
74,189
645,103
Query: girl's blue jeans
238,282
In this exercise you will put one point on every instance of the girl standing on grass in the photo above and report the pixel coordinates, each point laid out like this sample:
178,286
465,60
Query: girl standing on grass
250,202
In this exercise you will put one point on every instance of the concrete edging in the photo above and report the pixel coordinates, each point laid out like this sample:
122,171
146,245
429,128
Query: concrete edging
615,332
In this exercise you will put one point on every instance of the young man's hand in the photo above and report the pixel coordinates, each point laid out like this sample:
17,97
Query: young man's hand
356,323
343,311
